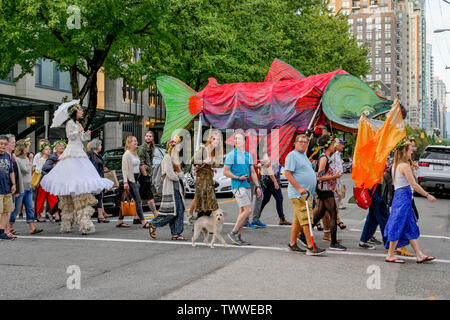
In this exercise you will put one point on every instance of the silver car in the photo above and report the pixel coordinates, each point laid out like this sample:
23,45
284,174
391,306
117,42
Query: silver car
434,169
222,184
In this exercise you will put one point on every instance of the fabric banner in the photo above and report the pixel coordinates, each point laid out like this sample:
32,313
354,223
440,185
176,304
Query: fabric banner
370,158
263,105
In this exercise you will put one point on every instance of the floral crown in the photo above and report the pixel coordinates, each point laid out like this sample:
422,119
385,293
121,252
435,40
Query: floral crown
72,109
402,144
24,143
330,141
173,142
43,145
59,142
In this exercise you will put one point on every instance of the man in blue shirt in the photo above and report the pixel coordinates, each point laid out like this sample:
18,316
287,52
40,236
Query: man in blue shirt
238,166
302,179
7,187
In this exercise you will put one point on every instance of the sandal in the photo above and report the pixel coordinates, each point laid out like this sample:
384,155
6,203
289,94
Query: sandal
122,225
146,225
427,258
14,232
397,260
178,237
319,227
403,252
152,232
341,225
36,231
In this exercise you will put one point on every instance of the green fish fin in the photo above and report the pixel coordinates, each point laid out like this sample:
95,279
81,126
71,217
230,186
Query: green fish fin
182,104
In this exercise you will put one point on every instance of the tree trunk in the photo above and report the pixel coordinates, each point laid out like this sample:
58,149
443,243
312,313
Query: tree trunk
74,83
92,103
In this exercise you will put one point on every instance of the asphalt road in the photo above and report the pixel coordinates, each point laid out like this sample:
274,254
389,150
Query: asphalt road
116,263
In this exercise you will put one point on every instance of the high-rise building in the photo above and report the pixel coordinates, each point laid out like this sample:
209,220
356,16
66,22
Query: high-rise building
376,23
427,111
413,57
394,30
440,106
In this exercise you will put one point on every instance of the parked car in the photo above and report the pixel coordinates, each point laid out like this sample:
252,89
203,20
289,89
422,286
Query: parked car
434,168
348,166
222,184
283,179
113,161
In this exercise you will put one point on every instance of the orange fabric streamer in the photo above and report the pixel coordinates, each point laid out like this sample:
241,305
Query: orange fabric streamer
369,161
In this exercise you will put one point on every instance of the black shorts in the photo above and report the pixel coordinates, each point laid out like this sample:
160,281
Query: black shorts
145,188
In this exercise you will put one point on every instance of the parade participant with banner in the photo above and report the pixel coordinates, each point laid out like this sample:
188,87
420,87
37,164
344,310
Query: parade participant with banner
401,228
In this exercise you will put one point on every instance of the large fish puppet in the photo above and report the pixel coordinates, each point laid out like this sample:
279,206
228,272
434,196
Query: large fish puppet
286,101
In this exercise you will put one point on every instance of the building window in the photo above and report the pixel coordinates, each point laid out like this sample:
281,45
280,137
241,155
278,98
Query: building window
345,4
129,93
47,75
9,76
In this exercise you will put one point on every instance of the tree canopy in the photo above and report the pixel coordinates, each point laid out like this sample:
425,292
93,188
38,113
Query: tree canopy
231,40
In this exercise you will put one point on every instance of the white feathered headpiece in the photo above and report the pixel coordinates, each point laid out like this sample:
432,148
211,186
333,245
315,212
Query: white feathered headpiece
62,114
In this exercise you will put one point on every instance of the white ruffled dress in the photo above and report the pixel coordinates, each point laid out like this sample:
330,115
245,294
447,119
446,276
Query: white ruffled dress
74,174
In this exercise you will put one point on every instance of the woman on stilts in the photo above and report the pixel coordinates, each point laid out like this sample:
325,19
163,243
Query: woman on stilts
74,178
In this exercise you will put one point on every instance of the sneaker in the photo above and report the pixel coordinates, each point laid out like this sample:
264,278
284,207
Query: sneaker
4,236
337,247
252,225
327,237
234,238
374,241
366,246
242,241
296,248
260,224
302,240
316,252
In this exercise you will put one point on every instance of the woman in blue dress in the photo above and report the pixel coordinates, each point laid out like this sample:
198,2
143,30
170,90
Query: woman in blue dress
401,228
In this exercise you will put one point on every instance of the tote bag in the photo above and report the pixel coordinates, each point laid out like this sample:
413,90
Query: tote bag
36,179
128,206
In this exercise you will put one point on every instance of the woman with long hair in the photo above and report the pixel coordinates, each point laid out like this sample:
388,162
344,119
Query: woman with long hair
401,228
74,178
326,186
172,206
130,172
208,157
25,166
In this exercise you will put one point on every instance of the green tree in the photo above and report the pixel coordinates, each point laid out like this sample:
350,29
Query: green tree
78,34
233,40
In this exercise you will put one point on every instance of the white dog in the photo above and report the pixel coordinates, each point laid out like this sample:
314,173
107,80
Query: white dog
213,224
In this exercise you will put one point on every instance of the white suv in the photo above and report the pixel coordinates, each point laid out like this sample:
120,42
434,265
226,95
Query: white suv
434,168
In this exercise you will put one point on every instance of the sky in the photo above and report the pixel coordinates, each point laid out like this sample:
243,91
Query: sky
438,17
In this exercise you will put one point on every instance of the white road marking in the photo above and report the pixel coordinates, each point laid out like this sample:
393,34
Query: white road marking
189,243
421,236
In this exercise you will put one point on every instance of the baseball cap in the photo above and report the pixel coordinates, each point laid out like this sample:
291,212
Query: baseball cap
341,140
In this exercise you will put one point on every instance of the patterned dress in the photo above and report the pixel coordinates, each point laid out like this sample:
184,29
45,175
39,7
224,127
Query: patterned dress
204,184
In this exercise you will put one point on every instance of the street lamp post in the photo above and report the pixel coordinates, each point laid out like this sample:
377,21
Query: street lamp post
440,30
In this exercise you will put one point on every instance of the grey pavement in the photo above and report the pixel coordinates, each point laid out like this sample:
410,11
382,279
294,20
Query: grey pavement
116,263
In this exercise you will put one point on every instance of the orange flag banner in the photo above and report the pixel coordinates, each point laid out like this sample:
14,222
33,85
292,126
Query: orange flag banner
372,156
360,168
